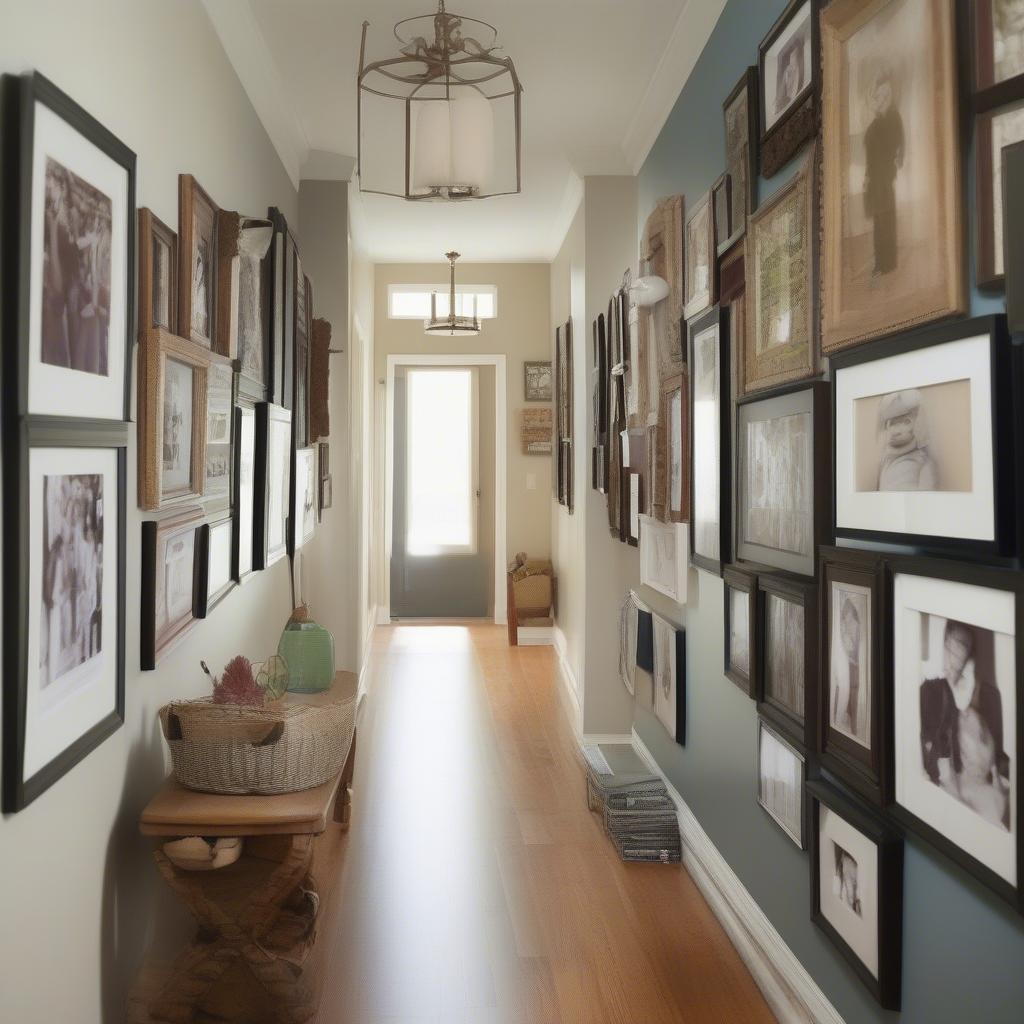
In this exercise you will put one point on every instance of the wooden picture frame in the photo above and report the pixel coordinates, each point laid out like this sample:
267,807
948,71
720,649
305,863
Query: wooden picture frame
156,311
945,371
158,349
534,371
708,363
885,984
88,376
782,343
228,273
853,741
272,484
1013,235
744,583
998,75
32,762
953,818
320,380
700,290
789,82
766,531
215,556
740,112
301,350
197,264
770,741
161,626
789,701
871,275
994,130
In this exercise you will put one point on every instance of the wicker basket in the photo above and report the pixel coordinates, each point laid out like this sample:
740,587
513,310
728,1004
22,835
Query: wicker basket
223,748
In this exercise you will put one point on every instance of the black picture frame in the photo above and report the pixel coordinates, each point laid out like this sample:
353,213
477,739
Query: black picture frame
797,725
749,82
717,315
886,988
20,436
864,770
20,93
816,396
1004,389
281,296
205,602
1013,235
799,123
257,389
263,554
679,644
644,640
244,407
993,578
745,582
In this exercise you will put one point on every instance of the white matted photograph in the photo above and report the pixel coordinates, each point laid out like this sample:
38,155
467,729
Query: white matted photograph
780,781
707,395
954,714
788,66
668,693
664,564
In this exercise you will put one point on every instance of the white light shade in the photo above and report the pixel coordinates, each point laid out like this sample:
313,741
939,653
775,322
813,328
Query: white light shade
454,142
648,291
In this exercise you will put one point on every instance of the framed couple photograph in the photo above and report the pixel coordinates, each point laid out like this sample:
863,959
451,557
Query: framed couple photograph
158,274
781,477
787,631
788,61
893,255
670,677
854,714
740,112
64,592
174,377
781,777
170,578
782,343
69,244
710,417
921,422
994,131
699,259
740,633
215,577
271,484
197,263
957,635
857,889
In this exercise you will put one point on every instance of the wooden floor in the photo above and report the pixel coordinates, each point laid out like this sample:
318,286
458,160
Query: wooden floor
477,888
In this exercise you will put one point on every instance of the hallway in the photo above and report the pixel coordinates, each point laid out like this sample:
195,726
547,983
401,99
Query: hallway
476,886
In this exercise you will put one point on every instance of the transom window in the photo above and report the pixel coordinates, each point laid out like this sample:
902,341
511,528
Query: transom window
412,301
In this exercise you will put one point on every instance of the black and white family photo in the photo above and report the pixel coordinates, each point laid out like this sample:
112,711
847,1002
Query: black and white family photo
849,671
962,717
76,273
72,560
844,879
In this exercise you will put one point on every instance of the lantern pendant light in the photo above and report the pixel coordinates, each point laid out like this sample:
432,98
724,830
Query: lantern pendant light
452,324
458,115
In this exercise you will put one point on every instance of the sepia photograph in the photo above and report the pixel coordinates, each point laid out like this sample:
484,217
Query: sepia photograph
849,696
996,130
916,439
788,64
197,235
892,231
537,381
158,274
178,400
740,113
780,782
784,654
699,258
220,407
162,298
782,344
71,623
661,255
998,42
76,295
955,708
254,238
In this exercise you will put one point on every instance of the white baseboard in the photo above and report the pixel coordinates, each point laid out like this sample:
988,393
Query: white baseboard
789,990
536,636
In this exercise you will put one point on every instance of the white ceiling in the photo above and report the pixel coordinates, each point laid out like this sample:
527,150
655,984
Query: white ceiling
599,79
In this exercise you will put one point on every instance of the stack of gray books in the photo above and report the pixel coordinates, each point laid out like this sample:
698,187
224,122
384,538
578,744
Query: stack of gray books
639,816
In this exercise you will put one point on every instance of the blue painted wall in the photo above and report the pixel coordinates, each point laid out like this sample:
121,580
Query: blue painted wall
963,950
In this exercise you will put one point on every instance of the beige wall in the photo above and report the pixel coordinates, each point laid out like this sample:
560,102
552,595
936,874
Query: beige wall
81,897
521,332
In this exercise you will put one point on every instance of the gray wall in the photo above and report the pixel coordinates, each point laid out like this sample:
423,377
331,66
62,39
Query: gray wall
962,949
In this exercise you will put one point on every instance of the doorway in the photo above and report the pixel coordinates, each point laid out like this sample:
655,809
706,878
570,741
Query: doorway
442,496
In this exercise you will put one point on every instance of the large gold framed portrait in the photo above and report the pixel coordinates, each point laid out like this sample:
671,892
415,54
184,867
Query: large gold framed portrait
893,232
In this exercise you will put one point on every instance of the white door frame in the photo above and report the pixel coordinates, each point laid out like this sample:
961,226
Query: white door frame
500,470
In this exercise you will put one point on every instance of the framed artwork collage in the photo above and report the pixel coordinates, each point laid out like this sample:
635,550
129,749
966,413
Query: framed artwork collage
212,306
852,443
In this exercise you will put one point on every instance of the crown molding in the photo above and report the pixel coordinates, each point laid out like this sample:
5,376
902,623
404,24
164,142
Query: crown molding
693,28
239,32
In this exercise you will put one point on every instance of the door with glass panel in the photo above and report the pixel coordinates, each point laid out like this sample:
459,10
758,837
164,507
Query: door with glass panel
441,559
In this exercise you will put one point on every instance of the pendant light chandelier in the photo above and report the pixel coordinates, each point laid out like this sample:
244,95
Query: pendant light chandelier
446,111
451,325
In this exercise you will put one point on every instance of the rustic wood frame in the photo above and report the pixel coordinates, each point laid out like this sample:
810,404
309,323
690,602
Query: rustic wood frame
694,304
191,194
320,380
157,347
748,82
228,227
151,227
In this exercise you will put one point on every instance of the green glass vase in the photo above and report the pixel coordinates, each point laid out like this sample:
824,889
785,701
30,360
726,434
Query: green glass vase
308,649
